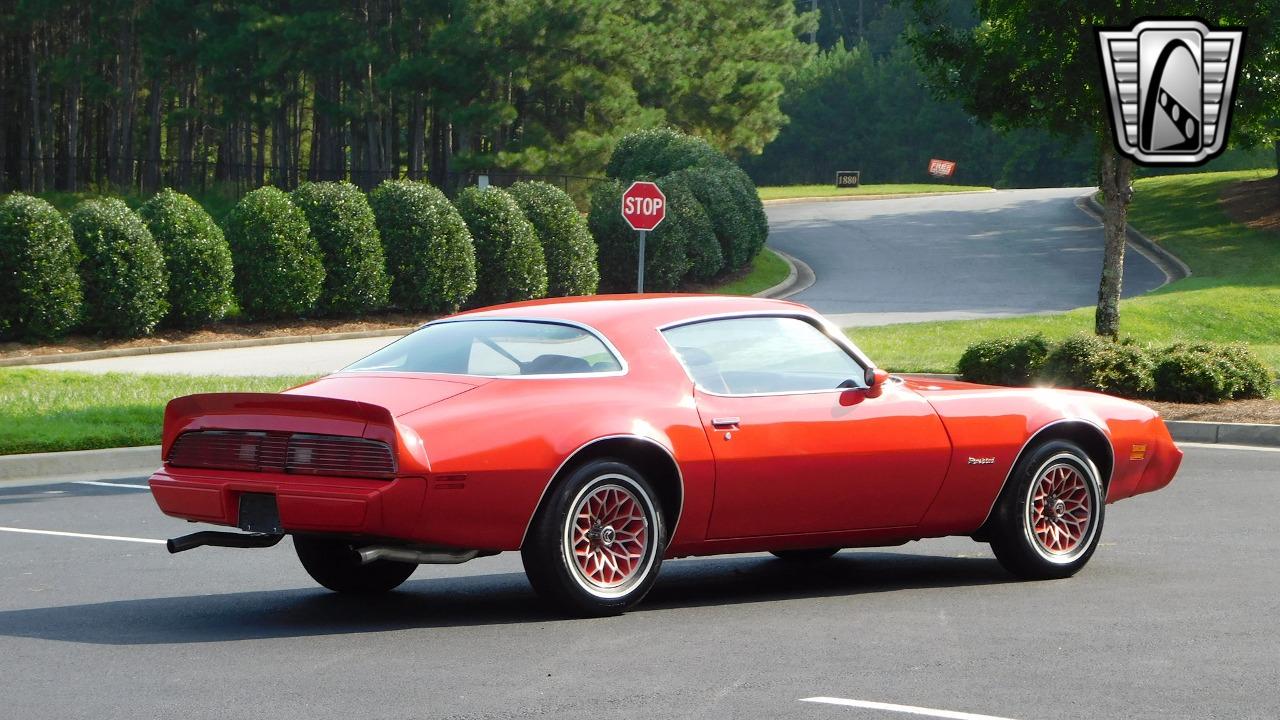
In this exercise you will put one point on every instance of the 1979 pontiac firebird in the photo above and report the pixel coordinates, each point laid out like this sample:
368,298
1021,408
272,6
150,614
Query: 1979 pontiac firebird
599,436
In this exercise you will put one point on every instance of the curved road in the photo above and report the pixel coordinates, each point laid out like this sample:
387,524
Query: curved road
947,257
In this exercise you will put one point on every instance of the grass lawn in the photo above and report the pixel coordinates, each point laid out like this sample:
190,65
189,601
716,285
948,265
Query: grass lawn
48,410
1233,295
767,270
804,191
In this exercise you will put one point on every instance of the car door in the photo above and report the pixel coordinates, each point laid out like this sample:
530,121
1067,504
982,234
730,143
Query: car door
794,451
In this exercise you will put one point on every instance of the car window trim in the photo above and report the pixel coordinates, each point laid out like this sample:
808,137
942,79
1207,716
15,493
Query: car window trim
608,346
824,326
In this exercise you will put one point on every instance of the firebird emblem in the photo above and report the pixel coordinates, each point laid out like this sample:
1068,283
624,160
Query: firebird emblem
982,461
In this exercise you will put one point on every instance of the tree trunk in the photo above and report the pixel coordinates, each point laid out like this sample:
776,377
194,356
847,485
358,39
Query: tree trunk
1117,191
73,134
1277,147
151,168
35,137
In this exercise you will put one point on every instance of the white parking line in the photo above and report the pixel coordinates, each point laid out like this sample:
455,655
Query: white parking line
110,484
81,535
909,709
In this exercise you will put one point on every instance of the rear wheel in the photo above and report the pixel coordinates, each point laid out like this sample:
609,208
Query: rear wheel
1048,520
335,564
595,547
810,555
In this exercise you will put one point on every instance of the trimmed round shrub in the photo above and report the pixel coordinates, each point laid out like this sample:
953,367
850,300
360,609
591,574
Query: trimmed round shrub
1089,362
566,242
196,257
731,218
655,152
123,269
509,262
751,206
1241,374
1190,377
665,261
428,248
1012,361
343,225
278,272
686,216
40,290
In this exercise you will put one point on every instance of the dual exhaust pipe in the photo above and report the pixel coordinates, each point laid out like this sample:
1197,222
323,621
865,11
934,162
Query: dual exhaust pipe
368,554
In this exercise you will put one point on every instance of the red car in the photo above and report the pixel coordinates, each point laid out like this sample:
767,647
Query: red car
600,435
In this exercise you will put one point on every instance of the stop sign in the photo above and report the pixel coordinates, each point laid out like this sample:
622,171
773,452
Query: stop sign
643,206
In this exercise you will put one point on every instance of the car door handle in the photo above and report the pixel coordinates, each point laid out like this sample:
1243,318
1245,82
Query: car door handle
725,423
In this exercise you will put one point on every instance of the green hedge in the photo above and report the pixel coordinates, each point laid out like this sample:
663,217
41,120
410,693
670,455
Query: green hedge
40,291
278,271
196,256
659,151
687,218
731,216
1004,361
429,252
1207,372
566,241
666,259
123,270
510,265
1195,373
343,225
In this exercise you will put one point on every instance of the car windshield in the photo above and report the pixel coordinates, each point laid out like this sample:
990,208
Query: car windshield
497,348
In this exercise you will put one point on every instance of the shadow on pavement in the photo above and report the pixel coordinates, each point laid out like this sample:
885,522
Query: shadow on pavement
479,600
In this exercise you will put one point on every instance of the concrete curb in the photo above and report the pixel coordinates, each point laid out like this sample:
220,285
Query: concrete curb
799,277
111,463
1171,265
886,196
194,347
1224,433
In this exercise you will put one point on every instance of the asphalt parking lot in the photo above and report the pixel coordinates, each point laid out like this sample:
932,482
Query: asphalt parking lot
1174,617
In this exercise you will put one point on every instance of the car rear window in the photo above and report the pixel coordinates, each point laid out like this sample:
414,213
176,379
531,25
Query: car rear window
495,348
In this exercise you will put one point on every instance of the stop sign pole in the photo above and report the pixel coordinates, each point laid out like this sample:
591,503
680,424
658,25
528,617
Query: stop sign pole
643,207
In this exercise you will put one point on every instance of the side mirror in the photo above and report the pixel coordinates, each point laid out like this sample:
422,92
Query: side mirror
875,379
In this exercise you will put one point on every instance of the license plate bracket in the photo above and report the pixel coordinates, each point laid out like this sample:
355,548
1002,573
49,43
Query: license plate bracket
259,513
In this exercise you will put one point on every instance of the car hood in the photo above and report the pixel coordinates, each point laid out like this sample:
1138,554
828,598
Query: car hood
400,393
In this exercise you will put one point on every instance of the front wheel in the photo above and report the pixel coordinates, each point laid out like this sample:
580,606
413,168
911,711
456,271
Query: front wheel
1048,520
595,547
335,564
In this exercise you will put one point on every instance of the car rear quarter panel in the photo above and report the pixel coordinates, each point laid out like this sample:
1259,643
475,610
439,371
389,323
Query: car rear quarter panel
494,451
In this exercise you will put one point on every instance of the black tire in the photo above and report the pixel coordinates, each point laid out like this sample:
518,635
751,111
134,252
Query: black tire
808,555
334,563
1048,521
569,566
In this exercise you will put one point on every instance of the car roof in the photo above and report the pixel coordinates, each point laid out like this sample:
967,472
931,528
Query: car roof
609,312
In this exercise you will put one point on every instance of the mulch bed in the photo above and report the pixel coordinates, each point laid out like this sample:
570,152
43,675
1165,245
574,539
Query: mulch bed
1265,411
1255,203
218,332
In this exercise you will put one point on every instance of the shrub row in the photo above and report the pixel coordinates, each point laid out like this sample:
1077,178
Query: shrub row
324,248
715,221
1182,372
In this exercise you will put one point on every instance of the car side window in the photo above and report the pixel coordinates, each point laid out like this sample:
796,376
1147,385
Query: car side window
751,355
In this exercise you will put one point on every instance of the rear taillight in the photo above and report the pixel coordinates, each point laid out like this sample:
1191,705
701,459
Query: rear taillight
297,453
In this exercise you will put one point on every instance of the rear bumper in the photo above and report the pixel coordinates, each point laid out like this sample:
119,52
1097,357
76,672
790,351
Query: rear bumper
380,508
